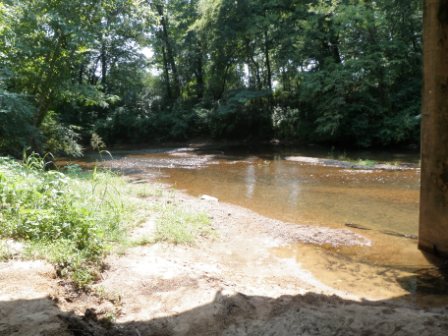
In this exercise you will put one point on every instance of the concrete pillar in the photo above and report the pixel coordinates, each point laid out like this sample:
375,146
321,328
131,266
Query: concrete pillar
433,230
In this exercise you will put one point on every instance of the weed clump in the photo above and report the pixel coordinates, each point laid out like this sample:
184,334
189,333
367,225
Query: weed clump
179,226
5,253
69,218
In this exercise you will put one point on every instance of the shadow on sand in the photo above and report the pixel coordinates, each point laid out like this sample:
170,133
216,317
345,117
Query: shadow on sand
310,314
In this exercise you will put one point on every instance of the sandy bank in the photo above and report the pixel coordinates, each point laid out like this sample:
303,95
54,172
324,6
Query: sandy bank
234,285
351,165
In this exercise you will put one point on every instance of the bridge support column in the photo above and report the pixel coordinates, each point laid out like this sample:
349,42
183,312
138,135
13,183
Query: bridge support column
433,229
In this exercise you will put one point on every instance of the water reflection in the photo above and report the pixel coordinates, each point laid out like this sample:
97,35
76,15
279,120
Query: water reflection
297,192
377,200
250,181
294,193
328,196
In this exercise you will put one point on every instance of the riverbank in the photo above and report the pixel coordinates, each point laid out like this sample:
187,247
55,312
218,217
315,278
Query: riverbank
234,282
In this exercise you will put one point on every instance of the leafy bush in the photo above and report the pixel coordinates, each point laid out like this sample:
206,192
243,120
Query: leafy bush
131,125
5,253
242,114
16,127
71,218
59,138
286,122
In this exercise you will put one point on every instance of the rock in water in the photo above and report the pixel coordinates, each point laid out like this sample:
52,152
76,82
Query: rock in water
209,198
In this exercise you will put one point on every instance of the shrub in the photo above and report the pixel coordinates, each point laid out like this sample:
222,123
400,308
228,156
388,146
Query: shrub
70,218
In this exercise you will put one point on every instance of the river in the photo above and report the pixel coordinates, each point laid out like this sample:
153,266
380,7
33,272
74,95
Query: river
381,204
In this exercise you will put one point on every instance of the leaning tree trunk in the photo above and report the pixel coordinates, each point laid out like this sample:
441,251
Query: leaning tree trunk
433,235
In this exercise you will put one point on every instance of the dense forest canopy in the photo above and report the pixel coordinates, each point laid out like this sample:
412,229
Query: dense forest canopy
138,71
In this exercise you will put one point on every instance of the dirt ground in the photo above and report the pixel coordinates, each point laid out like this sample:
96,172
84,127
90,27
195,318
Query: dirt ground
235,284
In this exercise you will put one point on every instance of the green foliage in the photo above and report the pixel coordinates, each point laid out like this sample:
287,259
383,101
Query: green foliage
355,75
178,226
5,253
60,138
16,127
242,114
366,163
286,121
60,55
71,218
341,72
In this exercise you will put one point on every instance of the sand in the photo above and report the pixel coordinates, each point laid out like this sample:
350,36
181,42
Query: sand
234,284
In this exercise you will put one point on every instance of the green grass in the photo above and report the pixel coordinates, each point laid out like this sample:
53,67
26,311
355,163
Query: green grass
179,226
5,253
74,218
366,163
397,163
360,162
71,218
143,191
143,241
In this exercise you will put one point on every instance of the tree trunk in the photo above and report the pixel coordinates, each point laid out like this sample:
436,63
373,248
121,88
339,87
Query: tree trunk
379,70
268,61
223,70
92,76
166,74
199,73
81,74
257,73
103,57
251,52
433,230
169,50
285,79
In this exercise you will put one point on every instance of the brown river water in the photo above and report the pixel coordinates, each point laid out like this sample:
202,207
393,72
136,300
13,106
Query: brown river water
381,204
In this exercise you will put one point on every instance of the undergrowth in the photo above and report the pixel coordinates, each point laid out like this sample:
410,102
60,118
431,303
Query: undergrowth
71,218
5,253
179,226
366,163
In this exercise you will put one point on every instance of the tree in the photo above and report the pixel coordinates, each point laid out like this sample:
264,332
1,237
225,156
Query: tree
60,55
331,71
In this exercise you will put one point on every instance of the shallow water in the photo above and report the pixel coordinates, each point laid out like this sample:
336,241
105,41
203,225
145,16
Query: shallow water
301,193
296,192
384,203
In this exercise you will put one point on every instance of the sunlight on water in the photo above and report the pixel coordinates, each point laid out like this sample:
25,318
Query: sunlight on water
300,193
381,204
